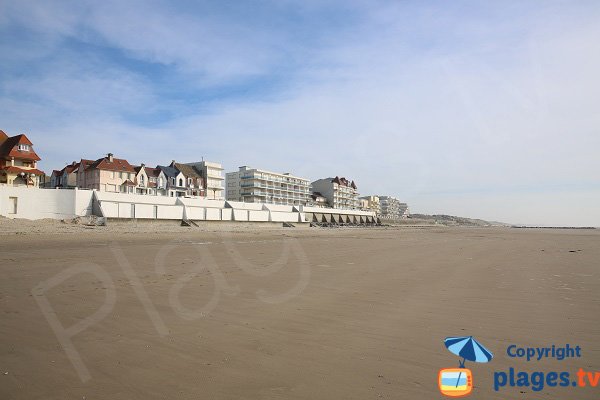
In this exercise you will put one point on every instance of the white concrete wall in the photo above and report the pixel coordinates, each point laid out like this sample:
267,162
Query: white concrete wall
226,214
198,202
277,216
33,203
280,208
135,198
36,203
244,206
213,214
170,212
144,211
196,213
240,215
258,216
83,202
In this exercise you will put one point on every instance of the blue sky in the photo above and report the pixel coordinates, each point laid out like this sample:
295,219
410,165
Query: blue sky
482,110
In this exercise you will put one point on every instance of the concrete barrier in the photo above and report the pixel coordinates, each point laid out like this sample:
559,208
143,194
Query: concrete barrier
258,216
34,203
196,213
278,216
240,215
213,214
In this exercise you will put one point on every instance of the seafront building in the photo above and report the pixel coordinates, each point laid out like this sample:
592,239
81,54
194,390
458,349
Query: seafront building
370,203
212,173
317,200
110,174
392,208
66,177
106,174
18,161
253,185
339,192
193,180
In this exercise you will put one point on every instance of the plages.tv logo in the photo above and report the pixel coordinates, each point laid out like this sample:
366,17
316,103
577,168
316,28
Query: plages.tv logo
458,382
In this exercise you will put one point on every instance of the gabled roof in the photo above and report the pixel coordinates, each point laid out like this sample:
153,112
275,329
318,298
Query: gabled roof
188,170
169,171
117,164
153,172
3,136
343,182
83,164
8,148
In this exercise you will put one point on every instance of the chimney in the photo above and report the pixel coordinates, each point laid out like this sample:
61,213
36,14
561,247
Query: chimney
110,157
143,165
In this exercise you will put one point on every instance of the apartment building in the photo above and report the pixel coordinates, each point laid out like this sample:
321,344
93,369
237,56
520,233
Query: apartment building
370,203
253,185
212,173
392,208
339,192
18,161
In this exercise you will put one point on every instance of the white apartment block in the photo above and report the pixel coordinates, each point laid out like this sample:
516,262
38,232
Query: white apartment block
212,173
339,192
252,185
392,208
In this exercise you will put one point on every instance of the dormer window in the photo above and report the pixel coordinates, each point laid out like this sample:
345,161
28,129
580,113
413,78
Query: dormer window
23,147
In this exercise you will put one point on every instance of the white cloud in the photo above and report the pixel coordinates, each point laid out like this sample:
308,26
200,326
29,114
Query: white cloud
474,113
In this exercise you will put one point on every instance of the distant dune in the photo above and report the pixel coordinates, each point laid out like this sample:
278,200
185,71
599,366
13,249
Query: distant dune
448,220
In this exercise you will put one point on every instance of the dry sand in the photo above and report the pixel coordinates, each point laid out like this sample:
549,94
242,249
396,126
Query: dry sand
297,314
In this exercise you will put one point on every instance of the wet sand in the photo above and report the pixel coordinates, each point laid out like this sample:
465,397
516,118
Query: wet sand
289,314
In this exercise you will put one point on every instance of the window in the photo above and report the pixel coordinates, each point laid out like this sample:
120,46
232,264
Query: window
180,182
160,182
23,147
112,175
141,179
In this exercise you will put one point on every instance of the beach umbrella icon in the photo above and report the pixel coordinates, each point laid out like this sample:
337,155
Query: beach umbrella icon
469,349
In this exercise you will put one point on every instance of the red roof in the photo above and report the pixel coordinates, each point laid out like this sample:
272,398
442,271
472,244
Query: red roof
84,164
153,172
3,136
128,183
18,170
117,164
9,148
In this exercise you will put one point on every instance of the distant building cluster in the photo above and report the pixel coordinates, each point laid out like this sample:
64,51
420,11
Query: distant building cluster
111,174
204,179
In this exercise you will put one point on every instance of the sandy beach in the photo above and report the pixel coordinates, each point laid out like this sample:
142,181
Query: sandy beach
127,312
